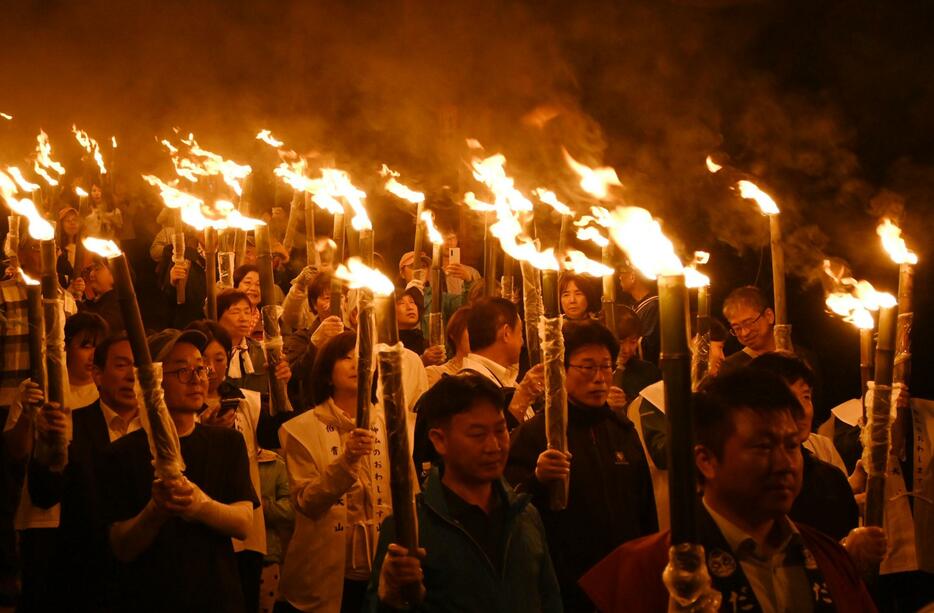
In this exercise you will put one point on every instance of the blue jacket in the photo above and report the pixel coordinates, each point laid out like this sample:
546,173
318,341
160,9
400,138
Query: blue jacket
458,574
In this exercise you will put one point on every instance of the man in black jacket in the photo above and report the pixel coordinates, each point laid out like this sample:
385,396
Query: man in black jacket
83,562
610,499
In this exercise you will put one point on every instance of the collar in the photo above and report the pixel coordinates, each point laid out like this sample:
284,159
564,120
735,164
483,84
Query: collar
501,375
331,415
433,496
110,414
745,546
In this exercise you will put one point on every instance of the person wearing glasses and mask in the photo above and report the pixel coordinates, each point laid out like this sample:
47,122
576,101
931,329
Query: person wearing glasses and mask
172,538
610,499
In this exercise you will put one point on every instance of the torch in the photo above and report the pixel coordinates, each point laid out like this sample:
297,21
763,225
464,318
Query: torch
178,255
359,276
782,330
489,258
155,418
295,210
435,317
210,271
312,254
608,300
403,192
879,418
700,357
272,343
641,237
336,284
556,398
533,307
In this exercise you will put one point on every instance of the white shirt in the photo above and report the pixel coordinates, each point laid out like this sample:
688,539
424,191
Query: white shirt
117,425
80,396
823,449
502,376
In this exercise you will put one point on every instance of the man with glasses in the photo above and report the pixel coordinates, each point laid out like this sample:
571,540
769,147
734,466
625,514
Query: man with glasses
172,538
610,499
751,320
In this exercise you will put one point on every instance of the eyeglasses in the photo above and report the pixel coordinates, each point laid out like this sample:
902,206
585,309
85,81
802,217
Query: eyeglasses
187,375
736,329
591,370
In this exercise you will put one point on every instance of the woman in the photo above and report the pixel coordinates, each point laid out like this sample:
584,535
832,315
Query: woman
228,406
456,335
338,486
247,369
246,279
632,374
67,236
83,331
578,298
103,220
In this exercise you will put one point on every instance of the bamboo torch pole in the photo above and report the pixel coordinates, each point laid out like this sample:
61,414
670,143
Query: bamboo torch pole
865,362
489,259
296,210
782,328
337,287
556,399
210,271
312,254
366,336
879,418
532,303
419,247
178,255
272,343
608,301
700,358
155,418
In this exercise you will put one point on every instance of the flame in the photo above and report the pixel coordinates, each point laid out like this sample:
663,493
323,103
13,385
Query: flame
204,163
90,145
81,193
854,300
580,263
39,228
173,197
113,142
695,278
27,279
24,185
594,235
360,276
594,181
44,160
198,214
649,250
492,173
6,116
101,247
551,199
433,234
267,137
474,204
701,257
894,244
713,166
751,191
398,189
473,143
293,173
328,190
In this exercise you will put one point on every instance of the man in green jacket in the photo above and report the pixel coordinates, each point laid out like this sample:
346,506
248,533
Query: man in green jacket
483,547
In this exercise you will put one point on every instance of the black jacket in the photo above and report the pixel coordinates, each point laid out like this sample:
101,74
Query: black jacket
180,315
84,554
610,499
826,501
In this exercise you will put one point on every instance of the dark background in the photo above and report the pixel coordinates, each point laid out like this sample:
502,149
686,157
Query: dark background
830,103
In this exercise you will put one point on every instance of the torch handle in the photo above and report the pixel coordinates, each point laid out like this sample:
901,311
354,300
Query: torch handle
879,419
902,368
782,329
489,260
272,344
532,303
312,254
210,271
295,210
178,258
366,333
267,283
54,322
419,246
556,402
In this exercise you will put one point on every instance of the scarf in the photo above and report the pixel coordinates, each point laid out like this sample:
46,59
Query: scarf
240,361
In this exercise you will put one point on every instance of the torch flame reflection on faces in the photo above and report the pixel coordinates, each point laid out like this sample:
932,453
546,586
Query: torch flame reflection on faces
594,181
751,191
894,244
102,247
360,276
394,187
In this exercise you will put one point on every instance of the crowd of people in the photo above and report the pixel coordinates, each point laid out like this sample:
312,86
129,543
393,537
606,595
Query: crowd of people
293,511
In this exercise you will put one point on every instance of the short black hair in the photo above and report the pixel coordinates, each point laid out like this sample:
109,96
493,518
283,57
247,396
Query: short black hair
242,271
451,395
718,331
746,388
103,348
628,323
321,284
585,284
786,365
92,324
487,316
579,334
214,331
328,355
228,298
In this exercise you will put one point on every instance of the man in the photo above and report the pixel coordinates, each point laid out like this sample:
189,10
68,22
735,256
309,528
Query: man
610,499
100,284
748,457
459,282
482,547
173,537
191,272
83,562
644,296
494,330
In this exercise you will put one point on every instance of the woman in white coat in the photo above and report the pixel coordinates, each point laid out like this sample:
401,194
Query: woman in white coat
339,482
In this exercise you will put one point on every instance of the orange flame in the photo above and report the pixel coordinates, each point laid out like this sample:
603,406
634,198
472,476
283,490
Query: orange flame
592,234
433,234
80,192
103,248
394,187
751,191
39,228
594,181
580,263
474,204
6,116
204,163
335,184
894,244
113,142
360,276
44,160
854,300
701,257
713,166
90,145
24,185
551,199
267,137
27,279
199,215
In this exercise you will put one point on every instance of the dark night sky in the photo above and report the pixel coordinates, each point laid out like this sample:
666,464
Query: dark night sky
830,103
